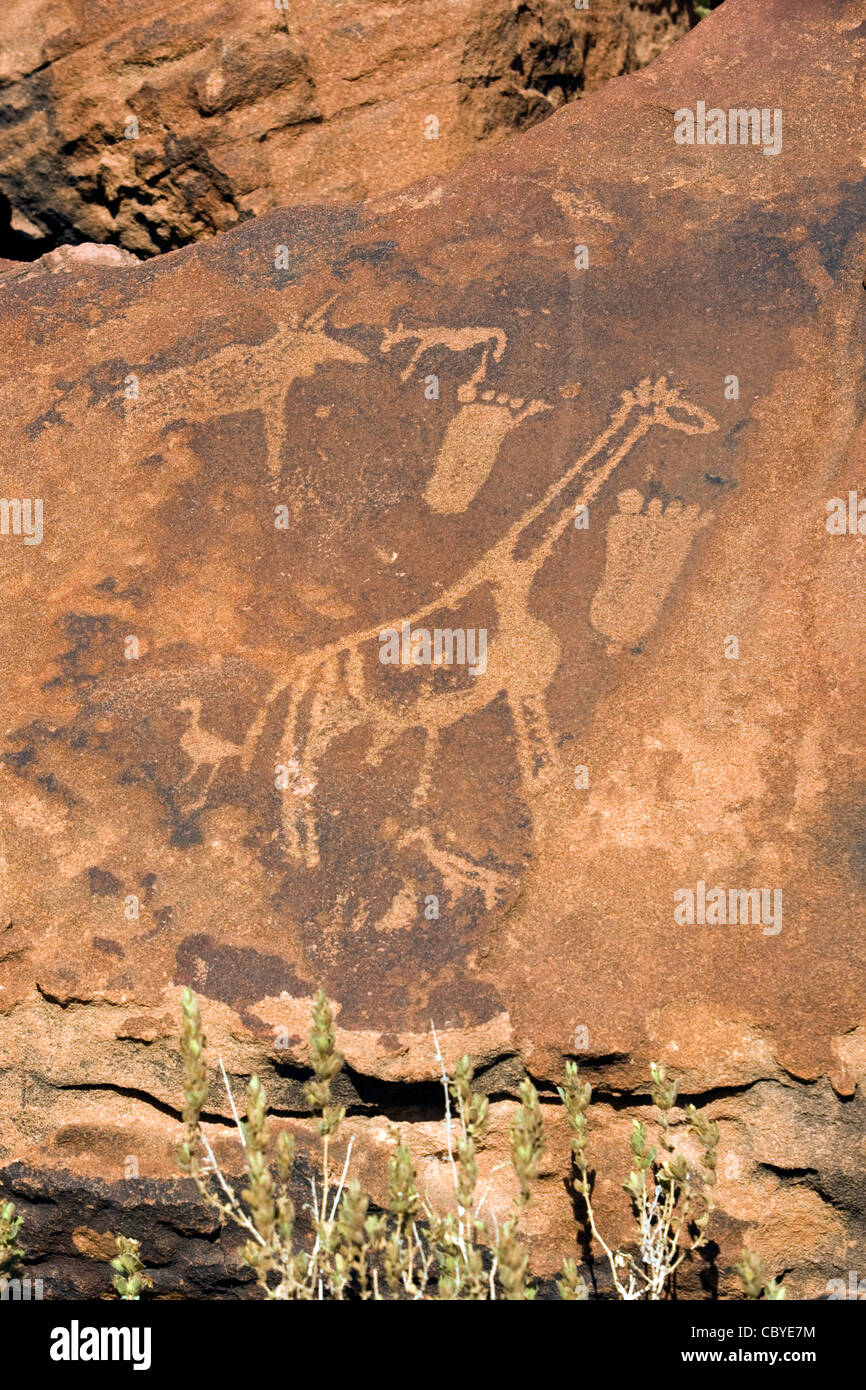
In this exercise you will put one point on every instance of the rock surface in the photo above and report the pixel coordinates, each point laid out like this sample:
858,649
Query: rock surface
257,455
242,108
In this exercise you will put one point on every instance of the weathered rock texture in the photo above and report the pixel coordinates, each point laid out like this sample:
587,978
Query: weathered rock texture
242,108
427,394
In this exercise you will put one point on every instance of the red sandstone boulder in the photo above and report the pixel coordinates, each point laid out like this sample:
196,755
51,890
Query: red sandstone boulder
154,129
592,396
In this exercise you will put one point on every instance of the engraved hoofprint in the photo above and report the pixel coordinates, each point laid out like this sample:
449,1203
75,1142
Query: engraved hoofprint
328,692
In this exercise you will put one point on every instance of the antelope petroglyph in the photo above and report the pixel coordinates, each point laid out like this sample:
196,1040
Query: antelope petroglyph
329,695
455,340
251,376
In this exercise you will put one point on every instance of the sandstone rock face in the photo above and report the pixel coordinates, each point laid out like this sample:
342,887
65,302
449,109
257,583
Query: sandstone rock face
152,129
574,416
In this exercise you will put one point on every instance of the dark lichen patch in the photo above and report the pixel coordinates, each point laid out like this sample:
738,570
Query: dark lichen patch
108,947
102,883
234,974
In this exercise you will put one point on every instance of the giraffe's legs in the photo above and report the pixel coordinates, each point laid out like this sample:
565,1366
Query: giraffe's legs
525,754
431,749
539,736
256,729
202,800
298,823
324,725
336,709
275,438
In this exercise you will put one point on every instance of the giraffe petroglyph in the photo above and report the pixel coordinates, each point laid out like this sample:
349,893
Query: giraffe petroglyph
328,694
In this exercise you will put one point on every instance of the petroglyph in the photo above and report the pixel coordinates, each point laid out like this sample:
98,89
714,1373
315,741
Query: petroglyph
251,377
204,750
475,433
457,870
470,449
455,340
645,552
327,693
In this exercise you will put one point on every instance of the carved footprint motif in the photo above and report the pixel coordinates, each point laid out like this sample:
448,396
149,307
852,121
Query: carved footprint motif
645,552
470,448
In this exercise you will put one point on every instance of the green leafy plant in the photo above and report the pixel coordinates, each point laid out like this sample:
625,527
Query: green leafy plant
411,1250
129,1278
408,1251
11,1253
672,1198
754,1279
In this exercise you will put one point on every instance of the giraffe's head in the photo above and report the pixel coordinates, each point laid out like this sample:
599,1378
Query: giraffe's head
667,406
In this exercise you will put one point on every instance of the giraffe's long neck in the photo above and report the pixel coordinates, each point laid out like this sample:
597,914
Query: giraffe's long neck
495,564
591,488
614,442
627,425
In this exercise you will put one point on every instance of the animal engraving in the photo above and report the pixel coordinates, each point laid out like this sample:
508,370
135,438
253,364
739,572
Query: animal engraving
327,693
455,340
204,750
251,377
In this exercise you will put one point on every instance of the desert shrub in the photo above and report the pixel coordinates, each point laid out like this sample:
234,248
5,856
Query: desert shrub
753,1278
412,1251
129,1279
409,1250
672,1199
11,1253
